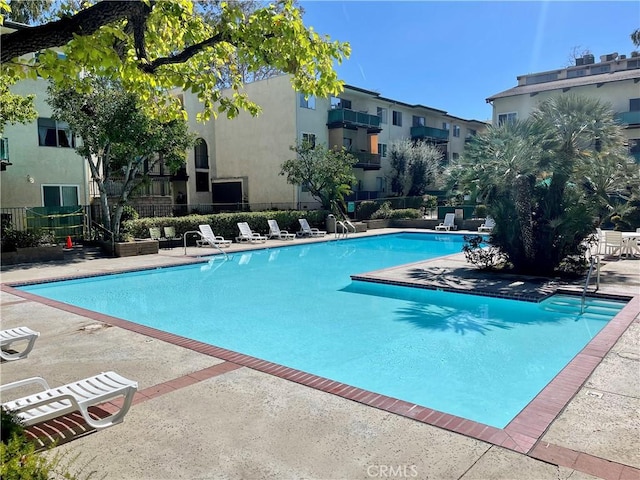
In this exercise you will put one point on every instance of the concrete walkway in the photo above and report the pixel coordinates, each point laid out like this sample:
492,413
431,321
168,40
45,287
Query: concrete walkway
202,412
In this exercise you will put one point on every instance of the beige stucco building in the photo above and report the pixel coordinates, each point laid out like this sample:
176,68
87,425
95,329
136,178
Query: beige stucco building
614,79
248,151
40,165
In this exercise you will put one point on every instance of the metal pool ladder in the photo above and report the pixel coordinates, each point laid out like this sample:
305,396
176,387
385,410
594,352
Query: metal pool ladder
196,232
594,260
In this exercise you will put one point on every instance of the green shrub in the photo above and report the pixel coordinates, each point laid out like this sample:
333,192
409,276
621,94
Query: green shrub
405,213
12,239
429,202
481,254
384,211
20,461
480,211
366,209
225,224
10,425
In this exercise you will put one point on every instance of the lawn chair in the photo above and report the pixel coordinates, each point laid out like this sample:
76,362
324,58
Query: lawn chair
448,223
247,235
275,232
16,335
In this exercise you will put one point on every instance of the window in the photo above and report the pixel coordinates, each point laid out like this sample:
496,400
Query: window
309,138
456,130
59,195
382,113
418,121
347,143
446,126
600,69
201,154
202,181
471,132
52,133
397,118
309,102
338,103
634,104
455,156
507,118
382,149
542,78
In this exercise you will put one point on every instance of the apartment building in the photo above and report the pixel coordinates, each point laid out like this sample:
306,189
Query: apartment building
614,79
249,151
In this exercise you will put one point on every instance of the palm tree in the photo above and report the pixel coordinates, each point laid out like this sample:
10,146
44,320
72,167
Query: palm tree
504,166
536,178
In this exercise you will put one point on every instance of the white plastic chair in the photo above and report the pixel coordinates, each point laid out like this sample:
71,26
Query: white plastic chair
246,235
307,231
448,223
15,335
613,242
76,396
208,238
275,232
488,225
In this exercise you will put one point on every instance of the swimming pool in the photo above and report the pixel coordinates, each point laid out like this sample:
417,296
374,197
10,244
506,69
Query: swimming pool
475,357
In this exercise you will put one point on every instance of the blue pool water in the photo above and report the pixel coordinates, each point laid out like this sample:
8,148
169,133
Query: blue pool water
476,357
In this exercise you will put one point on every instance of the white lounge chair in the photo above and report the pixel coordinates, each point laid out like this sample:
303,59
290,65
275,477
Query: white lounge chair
307,231
208,238
487,226
246,235
76,396
13,335
448,223
275,232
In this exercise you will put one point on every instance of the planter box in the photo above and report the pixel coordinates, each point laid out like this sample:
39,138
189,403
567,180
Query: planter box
33,255
138,247
381,223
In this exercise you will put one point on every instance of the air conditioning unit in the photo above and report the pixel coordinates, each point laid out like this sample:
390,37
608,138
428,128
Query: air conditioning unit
588,59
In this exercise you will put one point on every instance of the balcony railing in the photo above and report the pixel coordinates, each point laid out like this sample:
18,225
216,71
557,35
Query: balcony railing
629,118
430,133
367,161
154,187
339,116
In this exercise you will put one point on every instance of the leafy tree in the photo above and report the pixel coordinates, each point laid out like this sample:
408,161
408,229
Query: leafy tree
152,47
14,108
538,182
119,140
635,37
414,166
326,173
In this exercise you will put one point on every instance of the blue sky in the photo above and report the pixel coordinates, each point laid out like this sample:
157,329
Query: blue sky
453,55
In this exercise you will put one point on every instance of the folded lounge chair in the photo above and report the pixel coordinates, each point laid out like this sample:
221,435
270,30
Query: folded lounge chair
172,237
448,223
76,396
307,231
487,226
208,238
275,232
19,334
246,235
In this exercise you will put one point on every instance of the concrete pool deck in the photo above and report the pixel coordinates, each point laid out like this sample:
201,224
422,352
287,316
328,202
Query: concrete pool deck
202,412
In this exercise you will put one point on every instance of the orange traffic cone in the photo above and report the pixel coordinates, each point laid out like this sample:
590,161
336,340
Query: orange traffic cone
69,242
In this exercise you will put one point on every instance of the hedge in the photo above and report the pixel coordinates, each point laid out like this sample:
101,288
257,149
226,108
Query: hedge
225,224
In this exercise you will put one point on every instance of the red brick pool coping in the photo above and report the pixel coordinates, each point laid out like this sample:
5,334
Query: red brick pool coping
522,434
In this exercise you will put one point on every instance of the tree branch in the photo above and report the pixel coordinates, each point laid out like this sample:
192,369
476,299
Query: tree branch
84,23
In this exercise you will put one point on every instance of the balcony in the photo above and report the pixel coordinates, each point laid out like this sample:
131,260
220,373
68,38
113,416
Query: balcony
629,118
429,133
367,161
343,117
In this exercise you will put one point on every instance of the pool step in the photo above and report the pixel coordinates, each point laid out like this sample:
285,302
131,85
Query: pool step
593,306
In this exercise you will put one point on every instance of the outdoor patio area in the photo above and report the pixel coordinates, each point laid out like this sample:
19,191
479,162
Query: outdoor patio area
202,412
